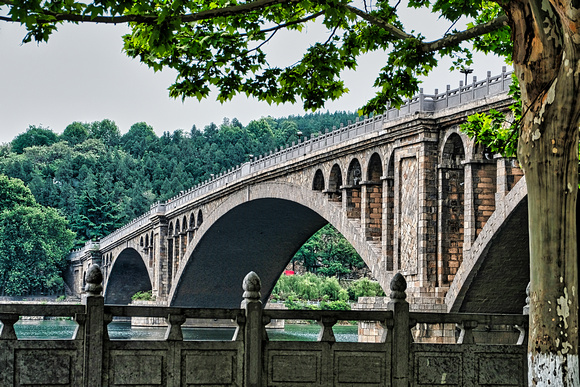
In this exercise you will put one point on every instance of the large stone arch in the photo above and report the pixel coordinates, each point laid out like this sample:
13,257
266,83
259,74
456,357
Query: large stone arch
496,270
260,230
127,276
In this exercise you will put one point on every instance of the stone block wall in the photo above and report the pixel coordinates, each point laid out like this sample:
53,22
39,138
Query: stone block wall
370,331
452,223
374,211
484,189
373,331
353,202
513,173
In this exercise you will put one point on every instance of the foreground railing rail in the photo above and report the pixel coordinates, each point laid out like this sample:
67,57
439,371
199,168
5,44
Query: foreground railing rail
92,359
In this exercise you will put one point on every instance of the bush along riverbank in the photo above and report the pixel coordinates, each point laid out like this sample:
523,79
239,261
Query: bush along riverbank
310,291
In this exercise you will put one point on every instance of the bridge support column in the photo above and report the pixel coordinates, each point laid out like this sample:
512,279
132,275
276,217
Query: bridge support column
160,258
364,214
468,207
388,232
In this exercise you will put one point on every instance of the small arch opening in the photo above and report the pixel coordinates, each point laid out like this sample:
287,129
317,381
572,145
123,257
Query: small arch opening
318,182
353,190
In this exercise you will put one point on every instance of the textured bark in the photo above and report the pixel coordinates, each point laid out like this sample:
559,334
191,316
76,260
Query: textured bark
546,60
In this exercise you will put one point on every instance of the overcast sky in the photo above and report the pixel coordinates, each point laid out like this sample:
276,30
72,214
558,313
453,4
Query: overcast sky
83,75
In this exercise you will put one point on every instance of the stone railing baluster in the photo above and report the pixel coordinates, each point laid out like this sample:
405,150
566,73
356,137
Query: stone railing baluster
107,319
523,337
326,333
241,324
466,335
8,321
174,323
80,319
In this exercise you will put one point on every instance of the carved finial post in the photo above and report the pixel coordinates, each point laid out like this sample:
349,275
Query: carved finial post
253,330
401,334
94,327
398,287
94,281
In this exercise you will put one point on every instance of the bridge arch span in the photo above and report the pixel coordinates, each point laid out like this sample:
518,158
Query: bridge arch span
259,229
127,276
496,270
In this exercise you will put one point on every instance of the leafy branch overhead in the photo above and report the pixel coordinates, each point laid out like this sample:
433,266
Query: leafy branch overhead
220,44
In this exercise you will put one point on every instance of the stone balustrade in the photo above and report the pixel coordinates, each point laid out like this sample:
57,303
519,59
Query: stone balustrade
91,359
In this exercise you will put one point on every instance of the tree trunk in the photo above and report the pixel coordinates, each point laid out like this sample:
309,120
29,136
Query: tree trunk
546,60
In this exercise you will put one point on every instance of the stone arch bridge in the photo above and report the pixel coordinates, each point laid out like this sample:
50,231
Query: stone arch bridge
407,189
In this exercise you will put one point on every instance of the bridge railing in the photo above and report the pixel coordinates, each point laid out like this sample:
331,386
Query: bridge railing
92,359
476,90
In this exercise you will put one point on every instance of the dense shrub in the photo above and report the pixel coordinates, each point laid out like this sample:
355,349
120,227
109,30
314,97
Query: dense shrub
297,288
364,288
143,296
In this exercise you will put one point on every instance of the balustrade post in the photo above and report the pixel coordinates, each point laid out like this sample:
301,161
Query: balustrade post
466,335
7,332
174,331
326,333
252,330
7,342
94,327
401,334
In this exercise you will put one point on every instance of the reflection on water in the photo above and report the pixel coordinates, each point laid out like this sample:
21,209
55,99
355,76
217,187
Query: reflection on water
64,329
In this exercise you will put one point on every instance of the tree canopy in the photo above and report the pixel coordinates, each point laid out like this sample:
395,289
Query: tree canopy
34,243
220,44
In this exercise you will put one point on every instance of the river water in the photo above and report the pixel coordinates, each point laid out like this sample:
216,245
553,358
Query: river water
64,329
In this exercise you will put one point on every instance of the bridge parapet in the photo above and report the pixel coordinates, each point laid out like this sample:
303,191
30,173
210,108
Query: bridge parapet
92,358
426,103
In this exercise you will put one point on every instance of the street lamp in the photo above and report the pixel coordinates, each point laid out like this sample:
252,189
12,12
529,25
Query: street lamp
466,71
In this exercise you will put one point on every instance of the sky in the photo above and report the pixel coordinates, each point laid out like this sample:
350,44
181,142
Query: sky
81,74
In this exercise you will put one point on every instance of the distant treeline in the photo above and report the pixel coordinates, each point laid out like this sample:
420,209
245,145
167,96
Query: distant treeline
100,180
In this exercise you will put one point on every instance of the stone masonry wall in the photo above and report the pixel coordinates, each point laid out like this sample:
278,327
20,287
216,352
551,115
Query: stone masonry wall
484,188
374,211
373,331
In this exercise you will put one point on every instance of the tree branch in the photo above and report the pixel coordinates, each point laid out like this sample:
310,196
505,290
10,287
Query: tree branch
149,19
449,40
280,26
379,23
478,30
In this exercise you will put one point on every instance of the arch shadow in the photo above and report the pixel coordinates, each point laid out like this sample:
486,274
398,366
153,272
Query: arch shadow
493,279
261,235
128,276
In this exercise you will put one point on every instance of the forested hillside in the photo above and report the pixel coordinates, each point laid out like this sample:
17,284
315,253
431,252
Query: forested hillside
101,179
98,179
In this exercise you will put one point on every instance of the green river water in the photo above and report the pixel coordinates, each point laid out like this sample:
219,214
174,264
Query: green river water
64,329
